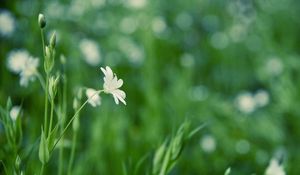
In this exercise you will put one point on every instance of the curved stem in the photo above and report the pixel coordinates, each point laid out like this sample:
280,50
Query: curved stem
73,117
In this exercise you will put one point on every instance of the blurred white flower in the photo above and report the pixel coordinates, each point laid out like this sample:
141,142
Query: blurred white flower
112,85
238,32
128,25
242,146
133,51
261,98
198,93
98,3
90,51
187,60
137,4
274,66
29,71
55,9
15,112
184,21
77,8
158,25
274,168
7,23
219,40
93,96
208,143
245,102
22,63
16,60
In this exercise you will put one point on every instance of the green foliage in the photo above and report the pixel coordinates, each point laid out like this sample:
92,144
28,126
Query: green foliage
233,65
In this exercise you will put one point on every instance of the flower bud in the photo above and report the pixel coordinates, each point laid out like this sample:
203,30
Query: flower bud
49,59
53,40
159,157
18,162
176,146
43,149
42,21
53,82
63,59
227,172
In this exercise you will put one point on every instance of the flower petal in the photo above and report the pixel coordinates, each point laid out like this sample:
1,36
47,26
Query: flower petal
120,95
94,98
116,99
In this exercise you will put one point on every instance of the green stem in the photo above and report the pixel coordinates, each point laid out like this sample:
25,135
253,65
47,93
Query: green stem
43,41
73,117
63,115
72,152
51,117
42,169
47,84
46,104
61,159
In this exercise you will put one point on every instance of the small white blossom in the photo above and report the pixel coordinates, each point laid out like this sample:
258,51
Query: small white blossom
208,143
184,20
93,96
22,63
132,50
274,66
158,25
274,168
16,60
136,4
29,71
128,25
90,52
242,146
112,85
219,40
245,102
261,98
7,23
15,112
187,60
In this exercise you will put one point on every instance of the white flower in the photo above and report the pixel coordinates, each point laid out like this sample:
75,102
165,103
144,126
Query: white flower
136,4
261,98
20,62
133,51
274,168
274,66
90,51
15,112
7,23
16,60
93,96
219,40
187,60
29,71
158,25
245,102
208,143
112,85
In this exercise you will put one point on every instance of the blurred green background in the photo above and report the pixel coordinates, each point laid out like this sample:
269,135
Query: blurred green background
233,65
